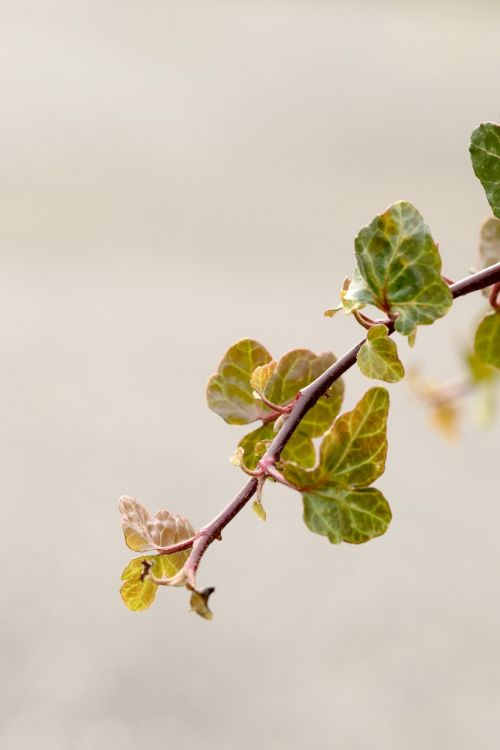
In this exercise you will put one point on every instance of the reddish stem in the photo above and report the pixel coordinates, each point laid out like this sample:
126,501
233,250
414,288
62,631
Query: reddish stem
305,401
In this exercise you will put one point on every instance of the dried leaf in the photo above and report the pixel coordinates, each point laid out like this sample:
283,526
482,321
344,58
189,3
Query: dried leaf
199,603
143,533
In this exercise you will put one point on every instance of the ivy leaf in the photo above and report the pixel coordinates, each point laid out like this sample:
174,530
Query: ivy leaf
199,603
399,270
138,591
489,246
294,371
485,155
143,533
345,515
299,448
487,340
353,451
378,357
260,377
229,392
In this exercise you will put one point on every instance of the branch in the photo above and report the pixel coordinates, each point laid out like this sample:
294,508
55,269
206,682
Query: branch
306,399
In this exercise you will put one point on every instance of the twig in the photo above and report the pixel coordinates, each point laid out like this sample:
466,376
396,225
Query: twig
306,399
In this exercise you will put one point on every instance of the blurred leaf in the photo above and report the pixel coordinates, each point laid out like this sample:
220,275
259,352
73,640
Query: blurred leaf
479,371
378,357
354,450
487,340
345,515
229,392
138,591
260,377
295,370
489,246
143,533
399,270
485,404
485,155
445,418
412,338
199,603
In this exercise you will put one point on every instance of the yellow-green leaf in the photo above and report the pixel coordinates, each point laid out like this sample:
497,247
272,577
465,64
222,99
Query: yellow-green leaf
294,371
485,155
299,448
143,533
345,515
399,270
487,340
229,392
260,377
138,591
378,357
353,451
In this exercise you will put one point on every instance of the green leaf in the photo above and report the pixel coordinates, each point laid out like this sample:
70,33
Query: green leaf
229,392
295,370
299,448
353,451
378,357
485,155
399,270
478,370
487,340
345,515
138,591
143,533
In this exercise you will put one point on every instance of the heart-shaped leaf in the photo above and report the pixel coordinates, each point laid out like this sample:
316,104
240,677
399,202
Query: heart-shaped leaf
378,357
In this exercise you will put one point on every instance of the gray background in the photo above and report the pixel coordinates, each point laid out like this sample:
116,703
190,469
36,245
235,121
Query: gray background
174,176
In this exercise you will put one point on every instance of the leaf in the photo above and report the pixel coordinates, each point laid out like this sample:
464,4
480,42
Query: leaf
485,155
444,417
399,270
260,376
199,603
489,246
353,451
487,340
229,392
378,357
138,591
294,371
478,370
299,448
143,533
345,515
259,509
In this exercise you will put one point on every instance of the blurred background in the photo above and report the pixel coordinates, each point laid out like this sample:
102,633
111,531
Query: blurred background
175,176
